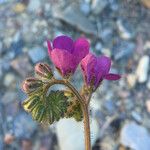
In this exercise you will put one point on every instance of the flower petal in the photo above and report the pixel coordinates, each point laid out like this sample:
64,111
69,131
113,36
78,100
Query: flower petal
112,76
103,65
63,42
102,68
49,47
87,65
81,48
64,61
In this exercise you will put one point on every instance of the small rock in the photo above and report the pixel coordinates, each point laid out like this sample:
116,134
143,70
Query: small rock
1,47
98,46
85,8
147,45
34,5
107,143
22,65
106,34
124,31
26,144
9,97
17,44
24,126
136,116
19,8
110,106
123,50
98,6
75,133
37,54
131,79
10,80
146,3
148,105
114,5
8,139
78,19
135,136
142,69
148,84
3,1
129,104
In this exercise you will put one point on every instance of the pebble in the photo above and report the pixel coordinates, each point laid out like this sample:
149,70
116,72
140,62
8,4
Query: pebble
107,143
98,46
146,3
142,69
26,144
65,138
17,44
10,80
135,136
24,126
148,84
9,97
131,79
19,8
136,116
34,5
1,47
147,46
98,6
123,31
77,20
123,50
85,8
8,139
148,105
22,65
37,54
109,106
106,34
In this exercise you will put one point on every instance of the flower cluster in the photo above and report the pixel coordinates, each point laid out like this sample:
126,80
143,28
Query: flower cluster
66,55
48,106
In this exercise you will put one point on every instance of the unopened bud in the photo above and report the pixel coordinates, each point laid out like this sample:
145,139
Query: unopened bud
43,70
31,84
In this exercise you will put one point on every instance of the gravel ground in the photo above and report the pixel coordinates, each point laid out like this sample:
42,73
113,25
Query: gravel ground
118,29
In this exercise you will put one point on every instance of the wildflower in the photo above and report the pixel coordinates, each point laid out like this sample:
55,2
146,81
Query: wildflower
66,54
95,69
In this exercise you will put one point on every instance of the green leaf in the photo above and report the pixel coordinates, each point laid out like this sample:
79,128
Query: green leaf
47,109
74,110
56,105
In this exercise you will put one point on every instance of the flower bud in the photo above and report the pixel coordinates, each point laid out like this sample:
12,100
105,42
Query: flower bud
31,84
43,70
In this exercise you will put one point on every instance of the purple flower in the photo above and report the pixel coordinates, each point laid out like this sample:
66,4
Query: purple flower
66,54
95,69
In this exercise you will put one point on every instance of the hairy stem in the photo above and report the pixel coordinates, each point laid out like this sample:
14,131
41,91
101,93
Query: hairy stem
84,107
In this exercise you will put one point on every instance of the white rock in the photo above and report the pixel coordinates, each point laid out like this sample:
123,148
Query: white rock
71,134
135,137
9,79
98,6
124,33
142,69
34,5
